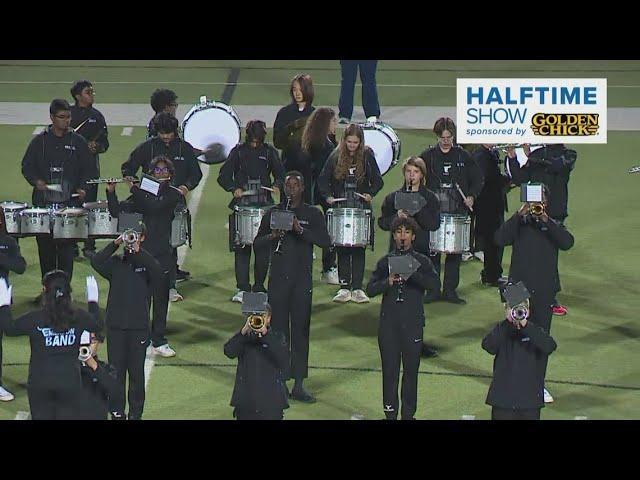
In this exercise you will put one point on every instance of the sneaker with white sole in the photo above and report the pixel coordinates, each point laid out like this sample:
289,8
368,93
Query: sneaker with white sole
238,297
466,256
164,351
479,256
372,119
174,296
547,396
331,276
359,296
343,296
5,395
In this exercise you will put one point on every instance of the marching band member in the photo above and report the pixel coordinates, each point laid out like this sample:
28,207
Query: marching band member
351,172
99,383
162,100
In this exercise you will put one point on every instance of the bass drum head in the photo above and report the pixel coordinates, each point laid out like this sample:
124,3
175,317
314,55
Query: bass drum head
385,144
213,129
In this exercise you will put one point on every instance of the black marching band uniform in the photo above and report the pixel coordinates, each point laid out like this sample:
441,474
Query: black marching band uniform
259,392
400,331
444,171
290,282
351,259
489,208
518,370
244,165
134,280
158,213
98,387
54,384
288,127
65,161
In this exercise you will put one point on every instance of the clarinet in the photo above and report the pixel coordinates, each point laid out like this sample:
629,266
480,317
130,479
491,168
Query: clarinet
278,249
399,298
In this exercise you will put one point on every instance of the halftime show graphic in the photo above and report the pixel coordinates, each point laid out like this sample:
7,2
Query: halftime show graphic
520,110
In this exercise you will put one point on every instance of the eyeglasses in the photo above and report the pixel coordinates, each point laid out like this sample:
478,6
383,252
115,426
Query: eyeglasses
161,170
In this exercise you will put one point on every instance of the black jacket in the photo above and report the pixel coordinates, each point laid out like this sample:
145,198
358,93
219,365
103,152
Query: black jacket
534,256
10,257
259,380
456,166
411,311
552,166
491,204
188,171
370,183
157,211
428,218
66,160
54,355
295,263
246,163
134,279
518,373
97,387
288,127
310,164
94,127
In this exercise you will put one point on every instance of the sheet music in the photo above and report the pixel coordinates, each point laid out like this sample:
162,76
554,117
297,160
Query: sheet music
149,185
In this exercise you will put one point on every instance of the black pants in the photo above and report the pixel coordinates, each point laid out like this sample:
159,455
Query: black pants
492,270
260,268
55,404
241,414
351,267
328,253
541,315
349,70
159,322
55,254
397,343
291,315
92,196
515,414
451,270
127,352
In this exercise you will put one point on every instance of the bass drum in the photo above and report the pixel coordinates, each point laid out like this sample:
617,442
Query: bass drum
213,128
384,142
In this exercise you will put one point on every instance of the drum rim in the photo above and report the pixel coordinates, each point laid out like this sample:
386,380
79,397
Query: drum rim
7,204
366,210
395,158
199,107
27,211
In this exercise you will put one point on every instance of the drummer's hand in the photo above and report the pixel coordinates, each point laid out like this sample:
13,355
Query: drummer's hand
526,148
331,200
111,187
367,198
184,190
296,225
81,193
237,193
524,209
469,201
402,214
93,146
276,191
511,152
41,185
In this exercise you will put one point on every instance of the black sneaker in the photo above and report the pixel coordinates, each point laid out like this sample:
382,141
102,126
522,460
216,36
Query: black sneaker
182,275
452,297
490,283
302,395
428,352
432,297
89,253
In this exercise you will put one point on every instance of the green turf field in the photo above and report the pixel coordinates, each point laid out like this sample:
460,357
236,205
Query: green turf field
593,373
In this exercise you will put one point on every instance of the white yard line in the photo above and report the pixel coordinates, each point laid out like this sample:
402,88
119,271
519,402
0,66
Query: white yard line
23,415
127,131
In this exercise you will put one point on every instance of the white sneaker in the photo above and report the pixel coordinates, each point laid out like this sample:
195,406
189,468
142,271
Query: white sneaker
547,396
372,119
314,255
237,297
331,276
479,256
174,296
343,296
5,395
466,256
359,296
164,351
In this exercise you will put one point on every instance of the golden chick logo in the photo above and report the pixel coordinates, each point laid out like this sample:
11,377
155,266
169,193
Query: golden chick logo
565,124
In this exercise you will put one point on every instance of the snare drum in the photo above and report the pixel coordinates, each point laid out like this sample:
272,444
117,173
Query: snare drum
384,142
35,221
71,223
452,236
214,127
247,223
12,215
101,223
179,227
349,227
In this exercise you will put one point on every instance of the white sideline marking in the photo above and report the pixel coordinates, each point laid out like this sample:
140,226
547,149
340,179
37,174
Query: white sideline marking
23,415
194,202
580,417
468,417
127,131
38,130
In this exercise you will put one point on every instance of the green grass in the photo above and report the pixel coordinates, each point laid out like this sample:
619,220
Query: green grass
598,341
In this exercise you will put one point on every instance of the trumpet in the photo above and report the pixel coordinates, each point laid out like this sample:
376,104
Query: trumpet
85,353
536,208
520,312
130,237
256,321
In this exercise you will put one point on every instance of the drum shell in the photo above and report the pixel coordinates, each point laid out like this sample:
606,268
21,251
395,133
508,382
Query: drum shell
102,224
247,222
384,142
35,221
453,236
70,225
179,227
349,227
12,216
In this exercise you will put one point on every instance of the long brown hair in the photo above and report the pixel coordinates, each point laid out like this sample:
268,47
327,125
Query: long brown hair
316,129
345,160
306,85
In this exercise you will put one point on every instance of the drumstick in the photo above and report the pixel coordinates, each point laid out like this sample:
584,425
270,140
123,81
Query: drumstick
360,195
269,189
80,126
339,199
463,197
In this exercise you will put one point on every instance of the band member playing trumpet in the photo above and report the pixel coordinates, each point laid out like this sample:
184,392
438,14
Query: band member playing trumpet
158,212
135,278
401,319
259,392
351,173
57,163
451,175
290,276
88,122
257,163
